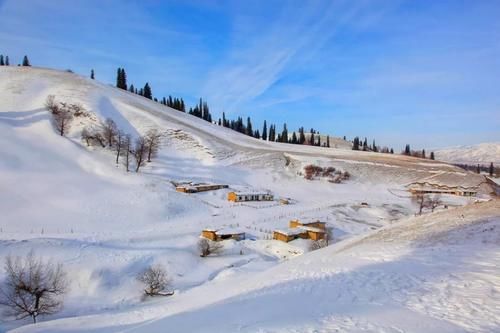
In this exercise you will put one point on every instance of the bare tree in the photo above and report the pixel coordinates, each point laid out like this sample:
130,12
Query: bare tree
120,140
318,244
139,152
421,201
51,104
329,236
86,136
155,280
434,201
62,119
127,147
153,141
32,287
207,247
92,136
109,131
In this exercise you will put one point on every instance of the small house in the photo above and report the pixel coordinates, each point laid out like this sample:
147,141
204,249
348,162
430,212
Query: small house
222,234
314,230
289,234
240,196
198,187
314,224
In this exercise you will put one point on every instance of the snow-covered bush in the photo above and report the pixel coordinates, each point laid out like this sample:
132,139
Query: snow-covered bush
155,280
207,247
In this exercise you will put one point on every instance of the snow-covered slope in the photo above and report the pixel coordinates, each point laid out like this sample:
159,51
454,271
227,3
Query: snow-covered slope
483,153
73,204
437,273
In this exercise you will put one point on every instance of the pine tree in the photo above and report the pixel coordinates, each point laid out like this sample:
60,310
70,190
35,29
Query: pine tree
147,91
284,134
7,63
272,133
492,169
392,152
2,63
355,144
432,155
294,138
407,150
365,145
249,130
264,131
119,77
132,89
478,169
319,140
26,61
92,76
256,134
302,136
423,153
328,141
124,79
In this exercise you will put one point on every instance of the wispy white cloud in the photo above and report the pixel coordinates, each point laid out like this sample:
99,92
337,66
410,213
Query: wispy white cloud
257,61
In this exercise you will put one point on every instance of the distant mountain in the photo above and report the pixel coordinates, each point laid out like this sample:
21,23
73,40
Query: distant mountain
483,153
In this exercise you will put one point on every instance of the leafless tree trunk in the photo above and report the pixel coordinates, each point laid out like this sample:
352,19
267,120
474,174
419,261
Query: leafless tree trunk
93,135
127,146
421,203
120,140
153,141
155,280
32,287
434,202
62,119
110,131
207,247
51,104
139,152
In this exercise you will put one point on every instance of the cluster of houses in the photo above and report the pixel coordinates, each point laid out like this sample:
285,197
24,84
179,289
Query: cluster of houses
313,230
190,187
454,183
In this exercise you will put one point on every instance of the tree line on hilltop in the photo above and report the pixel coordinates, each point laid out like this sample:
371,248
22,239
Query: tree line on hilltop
268,132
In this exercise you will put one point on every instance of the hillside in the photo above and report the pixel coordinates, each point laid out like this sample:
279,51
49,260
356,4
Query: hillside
483,153
73,204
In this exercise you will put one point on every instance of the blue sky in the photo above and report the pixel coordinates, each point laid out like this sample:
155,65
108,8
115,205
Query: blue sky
421,72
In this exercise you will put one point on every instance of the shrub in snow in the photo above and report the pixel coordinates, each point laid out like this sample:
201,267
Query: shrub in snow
155,281
32,287
207,247
318,244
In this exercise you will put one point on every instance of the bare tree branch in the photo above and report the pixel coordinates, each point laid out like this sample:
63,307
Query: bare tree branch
32,287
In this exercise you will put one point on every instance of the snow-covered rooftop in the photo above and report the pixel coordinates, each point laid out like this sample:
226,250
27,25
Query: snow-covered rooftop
452,179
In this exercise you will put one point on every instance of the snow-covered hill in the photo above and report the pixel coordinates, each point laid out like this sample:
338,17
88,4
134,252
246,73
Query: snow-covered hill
72,203
483,153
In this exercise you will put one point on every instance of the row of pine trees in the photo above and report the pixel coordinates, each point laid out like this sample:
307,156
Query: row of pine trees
5,61
201,110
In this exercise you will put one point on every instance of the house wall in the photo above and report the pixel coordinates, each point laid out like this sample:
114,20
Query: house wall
281,237
297,223
315,235
209,234
231,196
